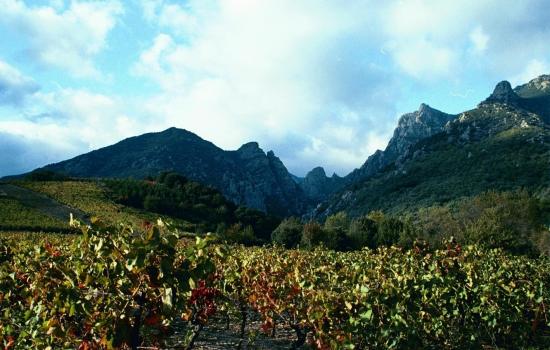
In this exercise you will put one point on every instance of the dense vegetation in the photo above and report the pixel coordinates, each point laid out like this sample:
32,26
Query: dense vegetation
389,298
100,290
174,195
187,205
117,287
515,221
15,216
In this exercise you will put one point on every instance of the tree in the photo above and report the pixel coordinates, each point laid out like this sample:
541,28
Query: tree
288,233
312,235
509,220
389,231
336,227
362,232
437,223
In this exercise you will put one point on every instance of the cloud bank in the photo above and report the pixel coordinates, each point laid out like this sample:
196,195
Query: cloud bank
67,38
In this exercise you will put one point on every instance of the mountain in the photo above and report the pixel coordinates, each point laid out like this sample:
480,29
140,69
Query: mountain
411,128
318,186
435,157
247,176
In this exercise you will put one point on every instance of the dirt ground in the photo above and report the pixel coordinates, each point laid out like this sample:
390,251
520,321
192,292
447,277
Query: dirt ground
216,336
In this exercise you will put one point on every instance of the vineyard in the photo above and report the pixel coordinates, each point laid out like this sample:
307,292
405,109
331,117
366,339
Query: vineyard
118,287
89,197
16,216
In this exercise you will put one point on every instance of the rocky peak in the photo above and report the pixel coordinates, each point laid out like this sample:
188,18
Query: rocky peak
278,165
503,93
317,186
537,87
412,127
250,150
316,173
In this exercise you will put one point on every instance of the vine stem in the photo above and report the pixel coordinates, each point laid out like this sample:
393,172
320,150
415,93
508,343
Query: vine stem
194,337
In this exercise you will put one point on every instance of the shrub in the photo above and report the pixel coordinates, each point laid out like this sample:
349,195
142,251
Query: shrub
336,227
46,175
236,233
288,233
362,233
312,235
389,231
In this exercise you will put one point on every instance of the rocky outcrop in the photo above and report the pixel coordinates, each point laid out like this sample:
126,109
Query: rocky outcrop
411,128
503,93
317,186
535,96
539,86
435,157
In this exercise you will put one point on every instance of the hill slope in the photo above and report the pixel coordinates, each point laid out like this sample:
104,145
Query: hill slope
247,176
502,144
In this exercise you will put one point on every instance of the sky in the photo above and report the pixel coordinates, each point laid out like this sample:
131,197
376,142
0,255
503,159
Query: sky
319,82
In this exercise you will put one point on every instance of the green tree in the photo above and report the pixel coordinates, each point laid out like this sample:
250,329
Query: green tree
362,232
288,233
389,231
336,228
312,235
509,220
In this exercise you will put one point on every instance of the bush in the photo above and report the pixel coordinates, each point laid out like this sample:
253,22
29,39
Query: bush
236,233
153,203
312,235
172,180
46,175
362,233
437,224
288,233
492,231
389,231
336,228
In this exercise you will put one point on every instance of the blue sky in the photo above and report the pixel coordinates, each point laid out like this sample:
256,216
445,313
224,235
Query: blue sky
319,82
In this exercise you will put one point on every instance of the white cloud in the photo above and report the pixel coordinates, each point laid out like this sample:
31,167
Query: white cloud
19,154
238,70
533,69
317,81
443,39
63,38
65,123
180,19
479,39
267,71
14,86
424,60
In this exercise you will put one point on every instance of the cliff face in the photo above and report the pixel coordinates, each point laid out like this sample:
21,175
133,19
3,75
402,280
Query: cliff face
539,86
318,186
411,128
247,176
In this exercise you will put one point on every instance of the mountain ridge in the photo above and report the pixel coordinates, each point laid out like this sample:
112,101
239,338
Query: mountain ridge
252,177
247,176
507,138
